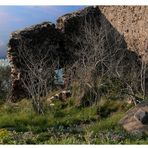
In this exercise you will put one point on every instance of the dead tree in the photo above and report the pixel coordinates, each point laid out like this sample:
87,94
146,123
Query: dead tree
37,74
102,53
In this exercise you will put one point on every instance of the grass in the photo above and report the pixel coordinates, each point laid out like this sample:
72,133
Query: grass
109,123
65,123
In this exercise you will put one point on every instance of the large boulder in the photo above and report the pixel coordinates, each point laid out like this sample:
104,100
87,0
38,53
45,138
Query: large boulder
136,119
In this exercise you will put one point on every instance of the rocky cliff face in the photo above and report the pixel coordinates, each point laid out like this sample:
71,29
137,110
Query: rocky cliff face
124,22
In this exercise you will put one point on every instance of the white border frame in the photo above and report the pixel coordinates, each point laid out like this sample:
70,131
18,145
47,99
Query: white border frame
76,3
73,2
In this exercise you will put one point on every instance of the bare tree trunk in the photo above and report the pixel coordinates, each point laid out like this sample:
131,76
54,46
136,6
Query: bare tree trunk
99,59
143,73
37,75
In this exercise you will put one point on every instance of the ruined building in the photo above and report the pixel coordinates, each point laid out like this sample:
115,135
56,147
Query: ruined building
129,23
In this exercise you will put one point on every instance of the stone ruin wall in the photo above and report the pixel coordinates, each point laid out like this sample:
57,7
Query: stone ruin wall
132,22
127,21
35,38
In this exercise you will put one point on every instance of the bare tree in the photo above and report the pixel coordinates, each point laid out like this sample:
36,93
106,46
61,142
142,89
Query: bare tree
37,74
144,71
102,53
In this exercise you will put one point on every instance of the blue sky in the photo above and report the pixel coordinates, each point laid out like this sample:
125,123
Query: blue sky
13,18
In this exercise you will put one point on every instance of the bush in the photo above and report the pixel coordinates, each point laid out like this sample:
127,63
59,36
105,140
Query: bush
4,136
107,107
4,82
43,137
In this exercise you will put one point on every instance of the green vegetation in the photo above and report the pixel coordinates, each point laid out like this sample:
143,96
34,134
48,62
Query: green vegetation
65,123
4,82
79,120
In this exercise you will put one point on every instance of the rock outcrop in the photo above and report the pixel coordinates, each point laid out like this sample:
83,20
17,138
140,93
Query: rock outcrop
136,119
127,23
142,116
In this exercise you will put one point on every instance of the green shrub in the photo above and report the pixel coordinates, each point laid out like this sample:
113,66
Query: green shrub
4,82
106,107
38,120
30,141
107,123
58,114
43,137
4,136
6,121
